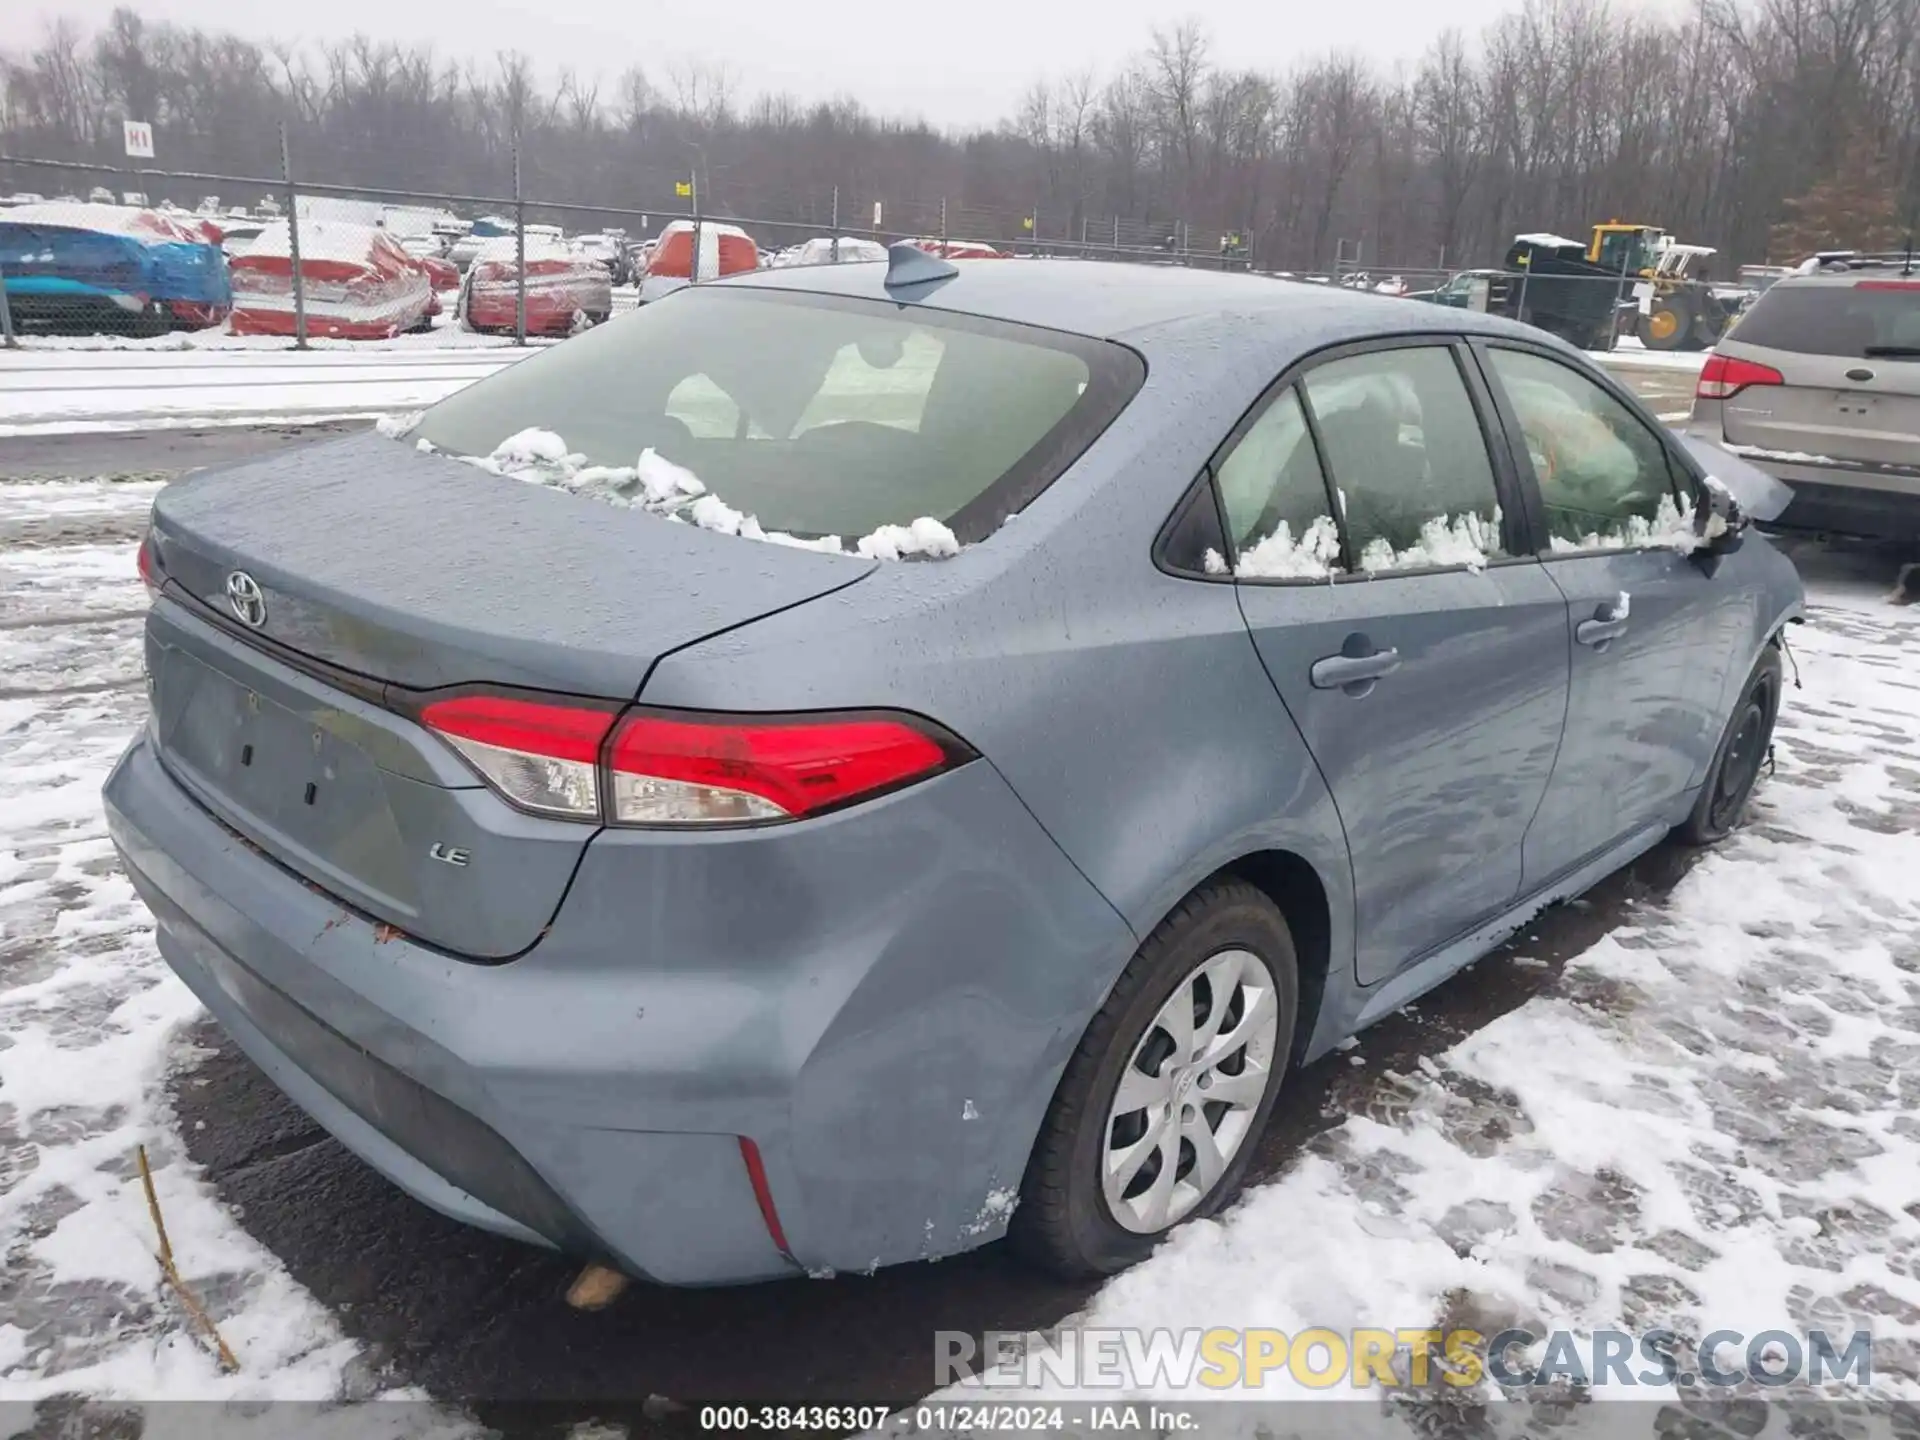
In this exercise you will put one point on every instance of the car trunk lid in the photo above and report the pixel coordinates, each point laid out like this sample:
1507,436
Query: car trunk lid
379,573
423,572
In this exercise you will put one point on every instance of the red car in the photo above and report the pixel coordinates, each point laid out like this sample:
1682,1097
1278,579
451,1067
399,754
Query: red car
357,284
565,289
960,249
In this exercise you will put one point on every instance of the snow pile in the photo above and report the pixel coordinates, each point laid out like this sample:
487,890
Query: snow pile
923,537
656,484
1315,554
1670,527
1783,457
1469,539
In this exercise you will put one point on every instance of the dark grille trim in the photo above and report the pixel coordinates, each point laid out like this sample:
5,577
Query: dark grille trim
453,1143
446,1139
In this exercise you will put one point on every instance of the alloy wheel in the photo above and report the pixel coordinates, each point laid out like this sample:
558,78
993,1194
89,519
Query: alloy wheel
1187,1100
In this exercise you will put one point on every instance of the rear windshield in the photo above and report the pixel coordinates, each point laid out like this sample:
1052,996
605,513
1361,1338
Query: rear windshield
1849,320
816,415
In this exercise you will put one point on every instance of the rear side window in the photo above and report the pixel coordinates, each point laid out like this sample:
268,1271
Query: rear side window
1851,320
1604,476
817,415
1407,458
1276,499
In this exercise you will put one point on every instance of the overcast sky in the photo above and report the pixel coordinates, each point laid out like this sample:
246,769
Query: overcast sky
955,62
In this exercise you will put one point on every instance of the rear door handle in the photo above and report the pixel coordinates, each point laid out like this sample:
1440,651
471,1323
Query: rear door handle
1354,674
1608,624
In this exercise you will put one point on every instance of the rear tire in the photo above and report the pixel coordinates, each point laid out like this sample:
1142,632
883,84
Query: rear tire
1106,1179
1667,323
1722,802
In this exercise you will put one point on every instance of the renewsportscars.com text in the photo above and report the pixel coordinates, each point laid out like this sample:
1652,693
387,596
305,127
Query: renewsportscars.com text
1224,1359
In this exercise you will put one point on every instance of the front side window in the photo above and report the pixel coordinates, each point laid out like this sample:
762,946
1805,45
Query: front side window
816,415
1408,462
1603,474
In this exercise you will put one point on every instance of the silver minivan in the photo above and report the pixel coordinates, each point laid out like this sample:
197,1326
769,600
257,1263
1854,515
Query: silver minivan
1819,385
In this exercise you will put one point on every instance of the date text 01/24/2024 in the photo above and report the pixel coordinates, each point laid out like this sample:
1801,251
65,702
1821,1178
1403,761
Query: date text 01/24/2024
949,1419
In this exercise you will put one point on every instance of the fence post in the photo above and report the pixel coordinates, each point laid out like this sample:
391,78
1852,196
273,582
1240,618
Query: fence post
693,201
1619,292
834,250
943,225
6,315
293,243
519,251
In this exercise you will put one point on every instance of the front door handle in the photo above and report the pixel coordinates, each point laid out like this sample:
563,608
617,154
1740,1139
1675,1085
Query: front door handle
1608,624
1353,673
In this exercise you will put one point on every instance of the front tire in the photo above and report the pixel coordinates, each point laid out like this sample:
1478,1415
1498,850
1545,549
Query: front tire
1160,1108
1744,746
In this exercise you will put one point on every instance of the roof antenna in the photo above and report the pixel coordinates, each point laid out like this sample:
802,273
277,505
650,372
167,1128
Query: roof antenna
908,265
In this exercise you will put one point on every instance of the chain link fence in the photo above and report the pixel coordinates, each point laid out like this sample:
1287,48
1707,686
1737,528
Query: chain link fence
99,255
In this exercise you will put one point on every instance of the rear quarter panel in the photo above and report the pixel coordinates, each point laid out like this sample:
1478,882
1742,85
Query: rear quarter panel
1126,707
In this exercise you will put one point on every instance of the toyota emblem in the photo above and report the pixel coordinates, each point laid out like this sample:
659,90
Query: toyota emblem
245,599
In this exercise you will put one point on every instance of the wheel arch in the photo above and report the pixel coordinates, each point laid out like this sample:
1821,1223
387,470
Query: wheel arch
1298,891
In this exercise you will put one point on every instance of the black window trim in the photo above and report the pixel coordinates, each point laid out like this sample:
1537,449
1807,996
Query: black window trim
1189,497
1683,473
1493,436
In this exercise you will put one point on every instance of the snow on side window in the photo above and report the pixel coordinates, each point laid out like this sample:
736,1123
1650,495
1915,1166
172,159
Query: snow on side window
1408,459
1276,499
1604,476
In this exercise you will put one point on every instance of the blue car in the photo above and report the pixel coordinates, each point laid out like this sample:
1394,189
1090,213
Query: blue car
90,267
846,764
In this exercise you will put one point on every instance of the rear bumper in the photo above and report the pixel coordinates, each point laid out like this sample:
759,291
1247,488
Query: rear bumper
891,1060
1874,502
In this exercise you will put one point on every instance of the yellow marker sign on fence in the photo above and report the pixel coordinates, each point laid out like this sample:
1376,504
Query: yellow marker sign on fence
683,187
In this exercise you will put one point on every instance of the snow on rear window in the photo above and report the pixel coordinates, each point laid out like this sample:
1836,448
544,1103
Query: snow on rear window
817,419
656,484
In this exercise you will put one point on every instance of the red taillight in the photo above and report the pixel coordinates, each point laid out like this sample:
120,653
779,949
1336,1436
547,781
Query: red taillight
1725,375
148,566
696,770
684,768
1886,284
763,1194
542,757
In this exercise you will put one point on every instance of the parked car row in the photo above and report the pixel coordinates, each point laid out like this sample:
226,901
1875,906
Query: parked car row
111,267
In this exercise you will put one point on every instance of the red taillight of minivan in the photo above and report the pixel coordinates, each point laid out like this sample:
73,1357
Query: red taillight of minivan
685,768
1725,375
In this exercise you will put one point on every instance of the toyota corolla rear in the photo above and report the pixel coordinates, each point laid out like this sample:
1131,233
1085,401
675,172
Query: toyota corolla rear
714,996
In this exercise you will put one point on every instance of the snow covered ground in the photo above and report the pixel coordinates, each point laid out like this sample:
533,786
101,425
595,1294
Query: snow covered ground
66,391
1707,1118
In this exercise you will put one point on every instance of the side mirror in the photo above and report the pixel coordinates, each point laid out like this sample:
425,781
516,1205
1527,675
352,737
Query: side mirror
1719,524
